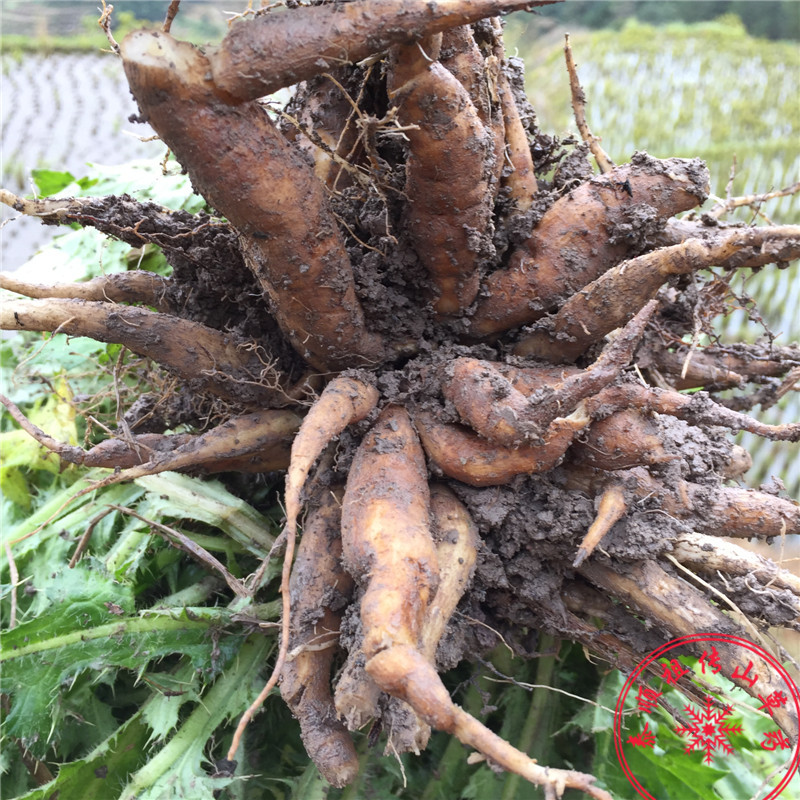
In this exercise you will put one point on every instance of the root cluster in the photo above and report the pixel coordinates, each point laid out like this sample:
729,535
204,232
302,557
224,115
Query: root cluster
497,360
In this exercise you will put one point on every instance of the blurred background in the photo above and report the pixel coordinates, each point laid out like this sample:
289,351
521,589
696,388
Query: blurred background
716,80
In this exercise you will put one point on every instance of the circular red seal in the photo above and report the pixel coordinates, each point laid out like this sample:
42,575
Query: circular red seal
728,663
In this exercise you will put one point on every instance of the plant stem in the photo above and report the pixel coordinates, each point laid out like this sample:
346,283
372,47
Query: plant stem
537,711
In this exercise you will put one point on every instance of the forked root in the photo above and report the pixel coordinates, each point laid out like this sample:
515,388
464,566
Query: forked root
457,542
387,545
258,180
464,455
449,202
489,403
608,302
404,672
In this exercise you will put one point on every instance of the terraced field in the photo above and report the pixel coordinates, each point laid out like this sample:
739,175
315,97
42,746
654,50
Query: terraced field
60,112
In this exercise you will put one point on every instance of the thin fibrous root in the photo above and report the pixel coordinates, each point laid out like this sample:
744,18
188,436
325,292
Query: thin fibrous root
579,110
578,238
258,180
319,590
277,50
611,508
387,545
119,287
215,361
490,404
257,442
608,302
448,200
681,610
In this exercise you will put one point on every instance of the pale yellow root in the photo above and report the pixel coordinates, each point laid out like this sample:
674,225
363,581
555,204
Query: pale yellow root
344,400
611,509
387,545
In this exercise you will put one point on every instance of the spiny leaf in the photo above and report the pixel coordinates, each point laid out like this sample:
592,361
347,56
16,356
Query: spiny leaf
92,778
176,772
89,629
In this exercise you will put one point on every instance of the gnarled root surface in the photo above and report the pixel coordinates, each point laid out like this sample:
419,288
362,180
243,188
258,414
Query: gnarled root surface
357,319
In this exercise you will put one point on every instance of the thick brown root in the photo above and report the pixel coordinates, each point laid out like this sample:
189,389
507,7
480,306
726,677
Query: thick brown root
344,401
715,367
221,363
716,510
386,536
257,442
622,440
449,204
299,259
319,590
682,610
696,408
464,455
710,554
328,132
142,287
521,179
457,543
187,240
277,50
493,407
610,301
580,237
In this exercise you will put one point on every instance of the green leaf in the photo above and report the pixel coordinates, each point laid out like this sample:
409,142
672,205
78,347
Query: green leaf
176,772
88,629
50,181
176,495
95,777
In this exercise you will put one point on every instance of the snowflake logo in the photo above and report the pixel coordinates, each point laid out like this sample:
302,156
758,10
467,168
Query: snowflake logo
708,731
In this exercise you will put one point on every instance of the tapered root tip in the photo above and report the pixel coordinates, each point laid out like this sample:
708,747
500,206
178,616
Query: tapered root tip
580,557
